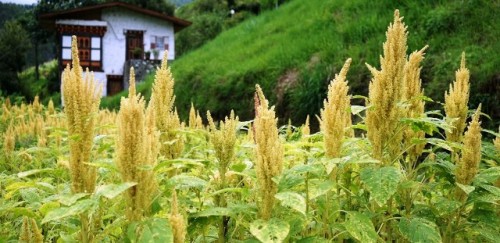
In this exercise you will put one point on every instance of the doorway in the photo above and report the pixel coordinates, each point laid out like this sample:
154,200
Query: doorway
135,44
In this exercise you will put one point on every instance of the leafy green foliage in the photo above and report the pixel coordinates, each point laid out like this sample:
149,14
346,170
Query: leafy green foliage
419,230
382,182
273,230
360,227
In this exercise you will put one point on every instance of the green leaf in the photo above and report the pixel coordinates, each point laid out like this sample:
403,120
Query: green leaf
113,190
215,211
466,188
356,109
381,182
489,233
360,227
317,189
32,172
187,182
70,199
489,175
47,207
162,232
77,208
292,200
24,211
446,206
288,180
273,230
419,230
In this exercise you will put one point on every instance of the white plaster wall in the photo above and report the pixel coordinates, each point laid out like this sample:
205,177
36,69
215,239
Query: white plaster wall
119,21
100,79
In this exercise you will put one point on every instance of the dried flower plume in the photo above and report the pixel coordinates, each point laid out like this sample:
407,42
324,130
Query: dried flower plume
385,92
412,95
81,98
136,151
268,152
456,100
468,165
336,114
177,221
167,119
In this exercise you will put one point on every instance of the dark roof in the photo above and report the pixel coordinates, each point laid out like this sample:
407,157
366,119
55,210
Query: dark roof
94,13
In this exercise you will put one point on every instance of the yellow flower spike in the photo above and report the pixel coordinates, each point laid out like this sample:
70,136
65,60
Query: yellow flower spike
412,93
385,92
268,153
81,99
456,103
336,115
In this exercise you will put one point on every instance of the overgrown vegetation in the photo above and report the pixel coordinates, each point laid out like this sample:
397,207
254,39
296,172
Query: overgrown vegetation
211,17
397,173
303,43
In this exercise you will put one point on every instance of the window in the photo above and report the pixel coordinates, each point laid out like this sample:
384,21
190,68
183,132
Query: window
89,51
159,43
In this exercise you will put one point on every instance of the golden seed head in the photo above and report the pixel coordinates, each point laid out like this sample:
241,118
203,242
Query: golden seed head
412,95
136,153
81,98
177,220
167,119
223,140
383,115
468,165
456,103
306,131
268,152
336,115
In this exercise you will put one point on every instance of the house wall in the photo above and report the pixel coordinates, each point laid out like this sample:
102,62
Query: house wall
114,43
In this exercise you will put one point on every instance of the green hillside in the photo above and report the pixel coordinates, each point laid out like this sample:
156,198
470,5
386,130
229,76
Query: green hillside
294,51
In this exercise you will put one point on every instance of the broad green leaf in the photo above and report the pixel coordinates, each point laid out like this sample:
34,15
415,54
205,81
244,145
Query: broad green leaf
489,233
24,211
489,175
360,227
14,187
273,230
77,208
446,206
292,200
317,189
156,230
47,207
32,172
312,168
112,190
419,230
466,188
288,180
146,235
187,182
355,109
70,199
215,211
30,195
381,182
492,189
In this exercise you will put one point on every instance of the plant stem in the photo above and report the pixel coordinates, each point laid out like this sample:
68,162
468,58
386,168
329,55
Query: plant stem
85,228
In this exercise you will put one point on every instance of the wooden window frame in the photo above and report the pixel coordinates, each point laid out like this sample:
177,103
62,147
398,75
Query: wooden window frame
85,61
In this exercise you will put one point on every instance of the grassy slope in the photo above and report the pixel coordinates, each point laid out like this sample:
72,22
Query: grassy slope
315,37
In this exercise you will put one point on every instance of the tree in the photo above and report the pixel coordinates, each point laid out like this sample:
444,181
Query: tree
14,43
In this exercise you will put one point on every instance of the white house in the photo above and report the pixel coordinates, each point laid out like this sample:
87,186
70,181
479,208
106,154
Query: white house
110,34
